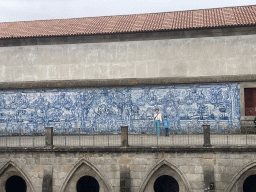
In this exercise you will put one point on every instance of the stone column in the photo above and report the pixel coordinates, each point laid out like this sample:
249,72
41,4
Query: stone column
47,179
207,136
125,180
49,137
209,181
124,136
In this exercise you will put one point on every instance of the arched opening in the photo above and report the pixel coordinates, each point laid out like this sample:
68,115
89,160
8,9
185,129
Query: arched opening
166,183
87,184
15,183
75,180
250,184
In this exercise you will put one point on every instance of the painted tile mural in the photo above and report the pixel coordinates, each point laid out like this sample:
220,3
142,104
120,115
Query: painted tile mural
109,108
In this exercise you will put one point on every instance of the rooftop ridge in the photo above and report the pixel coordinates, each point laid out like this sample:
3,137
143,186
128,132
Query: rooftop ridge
161,21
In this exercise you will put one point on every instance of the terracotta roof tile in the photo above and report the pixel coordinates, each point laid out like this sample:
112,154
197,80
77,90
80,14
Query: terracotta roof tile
168,21
205,18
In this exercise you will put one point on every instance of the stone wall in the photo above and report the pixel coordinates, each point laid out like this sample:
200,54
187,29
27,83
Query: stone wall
191,168
192,53
106,109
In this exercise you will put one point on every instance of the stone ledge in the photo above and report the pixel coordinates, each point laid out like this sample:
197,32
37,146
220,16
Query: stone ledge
247,118
189,149
124,82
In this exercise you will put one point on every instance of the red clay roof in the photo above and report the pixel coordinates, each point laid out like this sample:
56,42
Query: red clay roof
204,18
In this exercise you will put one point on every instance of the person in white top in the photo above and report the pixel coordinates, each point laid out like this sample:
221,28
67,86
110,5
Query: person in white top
157,121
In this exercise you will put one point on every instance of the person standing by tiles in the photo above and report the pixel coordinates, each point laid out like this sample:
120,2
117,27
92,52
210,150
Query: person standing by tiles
166,126
157,121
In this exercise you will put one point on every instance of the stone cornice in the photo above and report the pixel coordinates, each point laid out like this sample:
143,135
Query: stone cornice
125,82
188,149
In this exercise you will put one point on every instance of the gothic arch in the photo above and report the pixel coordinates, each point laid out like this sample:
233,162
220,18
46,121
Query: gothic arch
10,169
164,167
237,181
81,168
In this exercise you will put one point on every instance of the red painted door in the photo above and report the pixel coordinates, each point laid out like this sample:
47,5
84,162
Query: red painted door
250,101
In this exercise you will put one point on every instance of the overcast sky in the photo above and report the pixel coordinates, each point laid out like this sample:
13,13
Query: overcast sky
27,10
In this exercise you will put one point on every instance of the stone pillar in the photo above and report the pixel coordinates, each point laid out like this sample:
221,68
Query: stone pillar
124,136
125,181
49,137
209,181
207,136
47,179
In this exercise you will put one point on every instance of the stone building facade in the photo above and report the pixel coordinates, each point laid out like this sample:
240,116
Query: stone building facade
193,75
196,66
194,169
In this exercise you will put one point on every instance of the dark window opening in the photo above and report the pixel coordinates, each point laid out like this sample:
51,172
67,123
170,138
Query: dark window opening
166,183
250,184
15,183
250,101
87,184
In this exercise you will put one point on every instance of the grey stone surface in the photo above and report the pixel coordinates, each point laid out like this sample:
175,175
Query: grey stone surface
47,178
144,140
207,135
125,82
192,169
197,56
125,181
173,54
209,179
49,137
124,136
175,34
